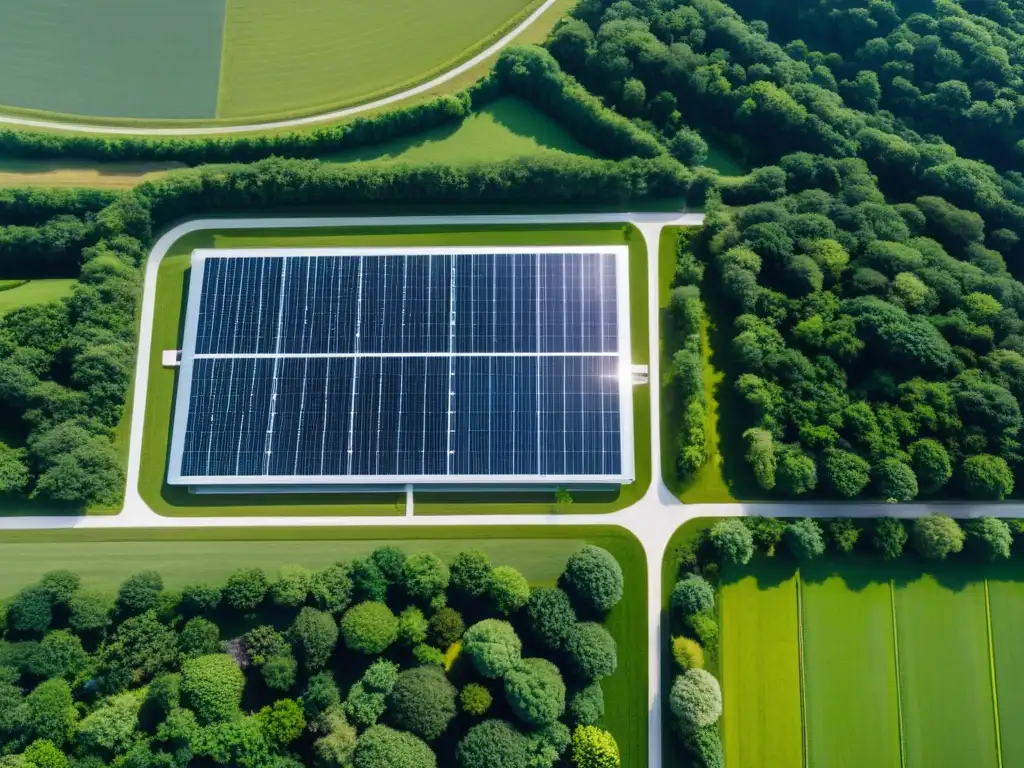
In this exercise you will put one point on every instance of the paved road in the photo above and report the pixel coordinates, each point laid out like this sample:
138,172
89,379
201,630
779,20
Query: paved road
652,520
336,114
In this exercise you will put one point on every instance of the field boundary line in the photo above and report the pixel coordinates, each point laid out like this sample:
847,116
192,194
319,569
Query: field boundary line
992,674
223,50
805,746
896,659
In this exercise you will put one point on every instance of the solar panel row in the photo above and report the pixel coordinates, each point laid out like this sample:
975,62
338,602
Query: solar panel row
307,366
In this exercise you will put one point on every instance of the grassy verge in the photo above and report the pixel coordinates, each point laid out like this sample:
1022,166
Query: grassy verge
708,485
34,292
104,558
170,303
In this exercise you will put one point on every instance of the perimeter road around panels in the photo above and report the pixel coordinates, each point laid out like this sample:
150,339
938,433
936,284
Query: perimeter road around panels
104,558
171,289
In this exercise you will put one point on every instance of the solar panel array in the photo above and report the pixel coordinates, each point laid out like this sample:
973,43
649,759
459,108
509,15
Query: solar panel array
400,366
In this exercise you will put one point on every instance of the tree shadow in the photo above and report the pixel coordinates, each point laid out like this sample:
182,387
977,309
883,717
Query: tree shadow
523,119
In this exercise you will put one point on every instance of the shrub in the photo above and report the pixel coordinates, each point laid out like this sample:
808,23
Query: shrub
475,700
687,653
199,637
321,694
509,589
369,628
692,594
31,611
471,573
246,588
263,643
593,578
889,537
535,691
843,533
291,587
422,701
138,593
550,616
279,671
90,611
991,535
335,750
425,576
591,650
212,686
198,598
383,747
587,705
428,655
60,654
331,588
44,754
493,646
412,626
61,586
493,744
695,700
732,541
594,748
447,626
282,722
987,477
705,747
767,532
49,712
314,635
804,539
705,628
391,562
936,536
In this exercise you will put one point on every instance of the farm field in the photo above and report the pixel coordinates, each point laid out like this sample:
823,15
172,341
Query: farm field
878,681
78,173
104,558
233,60
34,292
172,282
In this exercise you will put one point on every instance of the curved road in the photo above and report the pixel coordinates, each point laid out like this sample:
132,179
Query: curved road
653,519
54,125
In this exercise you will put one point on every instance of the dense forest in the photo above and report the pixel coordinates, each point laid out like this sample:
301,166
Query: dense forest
387,661
877,346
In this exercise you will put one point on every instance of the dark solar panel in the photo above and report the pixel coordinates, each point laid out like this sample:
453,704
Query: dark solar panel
403,365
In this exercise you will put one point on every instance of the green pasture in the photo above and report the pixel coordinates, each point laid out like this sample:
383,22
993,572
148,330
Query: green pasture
33,292
1006,607
505,129
171,289
104,558
282,57
849,667
760,668
147,59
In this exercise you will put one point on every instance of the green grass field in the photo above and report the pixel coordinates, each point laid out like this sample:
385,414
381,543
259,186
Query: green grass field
760,668
502,130
281,57
34,292
897,665
172,282
110,58
104,558
850,688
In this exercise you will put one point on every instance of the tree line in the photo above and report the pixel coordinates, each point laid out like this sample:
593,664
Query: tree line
392,659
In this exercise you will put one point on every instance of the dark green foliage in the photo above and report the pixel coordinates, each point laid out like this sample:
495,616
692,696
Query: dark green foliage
369,583
987,477
291,587
141,647
705,747
383,747
843,533
536,692
593,579
60,654
732,541
320,695
163,695
212,687
422,701
471,573
31,611
447,626
591,651
50,713
493,646
246,588
935,536
550,615
198,598
895,480
805,539
692,594
62,586
931,464
509,589
391,562
889,537
369,628
493,744
314,635
425,575
263,643
331,588
199,637
990,536
767,532
279,672
847,472
587,705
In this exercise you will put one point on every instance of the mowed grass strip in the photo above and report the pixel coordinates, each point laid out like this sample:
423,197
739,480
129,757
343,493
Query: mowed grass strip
1006,602
283,57
112,58
945,680
34,292
760,668
849,670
